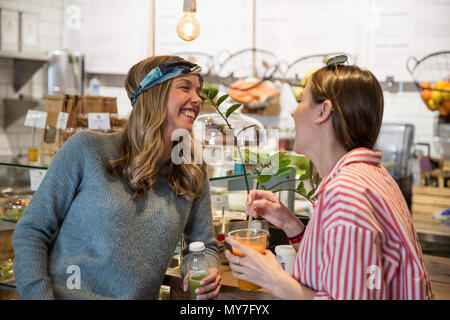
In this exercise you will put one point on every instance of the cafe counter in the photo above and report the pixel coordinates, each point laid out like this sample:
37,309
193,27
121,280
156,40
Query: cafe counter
438,269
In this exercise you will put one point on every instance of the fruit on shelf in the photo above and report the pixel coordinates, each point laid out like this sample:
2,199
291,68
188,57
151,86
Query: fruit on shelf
308,76
298,92
298,89
436,96
426,92
14,207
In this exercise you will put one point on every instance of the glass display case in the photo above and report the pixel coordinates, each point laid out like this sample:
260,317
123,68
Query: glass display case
19,179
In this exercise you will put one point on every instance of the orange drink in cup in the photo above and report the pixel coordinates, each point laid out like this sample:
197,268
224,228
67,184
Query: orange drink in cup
254,239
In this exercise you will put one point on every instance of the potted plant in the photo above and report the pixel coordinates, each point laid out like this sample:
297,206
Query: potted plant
264,167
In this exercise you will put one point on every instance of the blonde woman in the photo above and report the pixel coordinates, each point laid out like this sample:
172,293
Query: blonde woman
111,209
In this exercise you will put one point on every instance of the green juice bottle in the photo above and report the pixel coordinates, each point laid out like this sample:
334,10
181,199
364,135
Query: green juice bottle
198,267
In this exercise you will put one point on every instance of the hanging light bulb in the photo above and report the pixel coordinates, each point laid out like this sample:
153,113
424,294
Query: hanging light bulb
188,27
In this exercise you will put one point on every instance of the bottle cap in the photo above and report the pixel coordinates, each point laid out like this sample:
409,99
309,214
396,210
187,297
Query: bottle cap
285,249
196,246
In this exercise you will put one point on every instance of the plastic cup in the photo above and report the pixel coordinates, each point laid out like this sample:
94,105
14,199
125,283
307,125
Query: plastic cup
286,256
255,240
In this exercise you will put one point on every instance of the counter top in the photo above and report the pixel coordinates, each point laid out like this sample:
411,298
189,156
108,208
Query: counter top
438,269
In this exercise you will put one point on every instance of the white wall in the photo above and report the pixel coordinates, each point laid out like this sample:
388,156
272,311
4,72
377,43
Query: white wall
404,107
15,138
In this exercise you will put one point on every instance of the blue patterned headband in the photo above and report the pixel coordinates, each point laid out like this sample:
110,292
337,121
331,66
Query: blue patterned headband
166,71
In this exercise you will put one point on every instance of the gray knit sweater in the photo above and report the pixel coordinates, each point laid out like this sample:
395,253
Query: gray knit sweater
84,237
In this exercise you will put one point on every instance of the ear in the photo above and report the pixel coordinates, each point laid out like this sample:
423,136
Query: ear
325,112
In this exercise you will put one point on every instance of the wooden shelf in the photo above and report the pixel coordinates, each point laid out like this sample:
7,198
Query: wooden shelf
25,65
24,56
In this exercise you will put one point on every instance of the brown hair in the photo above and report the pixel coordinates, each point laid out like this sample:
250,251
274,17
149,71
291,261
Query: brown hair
357,100
141,144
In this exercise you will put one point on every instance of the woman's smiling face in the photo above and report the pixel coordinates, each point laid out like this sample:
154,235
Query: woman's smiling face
183,103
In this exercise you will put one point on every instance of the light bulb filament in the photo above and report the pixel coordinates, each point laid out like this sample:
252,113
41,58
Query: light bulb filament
188,27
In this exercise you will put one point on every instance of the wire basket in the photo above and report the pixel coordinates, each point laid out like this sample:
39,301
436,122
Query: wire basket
432,78
247,73
298,69
203,59
254,63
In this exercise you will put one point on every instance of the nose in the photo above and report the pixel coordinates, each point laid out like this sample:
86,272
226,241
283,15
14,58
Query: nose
195,99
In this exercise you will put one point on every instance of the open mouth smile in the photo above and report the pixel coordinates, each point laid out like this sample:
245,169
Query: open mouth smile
190,113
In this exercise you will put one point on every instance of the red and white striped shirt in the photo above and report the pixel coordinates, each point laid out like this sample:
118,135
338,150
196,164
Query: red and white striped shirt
360,242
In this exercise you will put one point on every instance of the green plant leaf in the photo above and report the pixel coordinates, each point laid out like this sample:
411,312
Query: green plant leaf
232,109
284,163
253,125
303,174
263,187
250,157
204,93
277,156
221,99
263,178
265,175
301,188
283,172
277,165
212,93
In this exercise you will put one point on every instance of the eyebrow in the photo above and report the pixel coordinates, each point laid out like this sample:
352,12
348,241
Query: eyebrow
187,81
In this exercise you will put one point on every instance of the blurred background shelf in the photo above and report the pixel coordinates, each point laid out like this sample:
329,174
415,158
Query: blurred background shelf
25,65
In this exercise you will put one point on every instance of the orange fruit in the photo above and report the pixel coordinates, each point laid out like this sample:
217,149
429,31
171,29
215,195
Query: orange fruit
425,92
446,105
443,110
439,85
446,93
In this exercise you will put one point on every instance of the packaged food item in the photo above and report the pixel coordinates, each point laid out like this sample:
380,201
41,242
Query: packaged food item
13,207
253,94
6,270
54,104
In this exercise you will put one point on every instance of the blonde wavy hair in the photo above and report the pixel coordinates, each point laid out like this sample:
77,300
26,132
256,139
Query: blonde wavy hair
141,144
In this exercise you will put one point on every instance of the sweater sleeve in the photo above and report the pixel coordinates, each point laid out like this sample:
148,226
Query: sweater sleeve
40,222
200,228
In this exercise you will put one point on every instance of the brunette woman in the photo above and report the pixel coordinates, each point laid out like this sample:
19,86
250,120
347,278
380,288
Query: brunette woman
360,242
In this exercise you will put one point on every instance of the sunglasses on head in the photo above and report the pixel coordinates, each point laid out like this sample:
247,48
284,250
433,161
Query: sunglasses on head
336,61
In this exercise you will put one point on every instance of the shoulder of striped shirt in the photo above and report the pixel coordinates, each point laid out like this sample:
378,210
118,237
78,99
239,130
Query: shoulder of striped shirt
349,202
